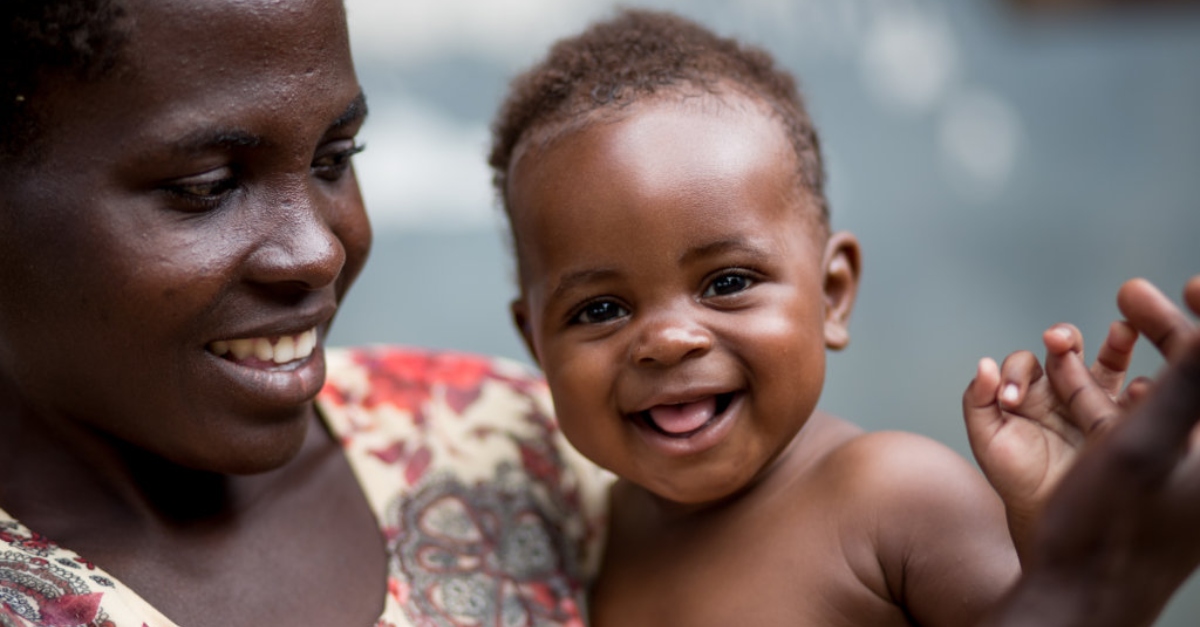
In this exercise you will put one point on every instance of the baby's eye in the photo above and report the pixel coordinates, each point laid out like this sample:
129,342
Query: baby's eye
600,311
726,284
333,163
203,191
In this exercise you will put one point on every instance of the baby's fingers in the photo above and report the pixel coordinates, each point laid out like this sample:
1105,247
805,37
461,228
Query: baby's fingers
979,407
1090,407
981,392
1019,371
1112,362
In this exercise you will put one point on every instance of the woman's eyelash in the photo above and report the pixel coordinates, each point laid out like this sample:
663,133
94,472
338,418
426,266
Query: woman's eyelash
201,193
332,165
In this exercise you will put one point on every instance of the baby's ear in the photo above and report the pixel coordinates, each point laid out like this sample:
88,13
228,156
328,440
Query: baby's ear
520,318
842,263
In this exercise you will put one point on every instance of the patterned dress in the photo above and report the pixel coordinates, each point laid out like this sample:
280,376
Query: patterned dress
490,517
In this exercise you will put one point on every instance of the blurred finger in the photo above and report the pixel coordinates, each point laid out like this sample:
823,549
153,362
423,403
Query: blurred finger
1155,316
1191,294
1135,391
1152,440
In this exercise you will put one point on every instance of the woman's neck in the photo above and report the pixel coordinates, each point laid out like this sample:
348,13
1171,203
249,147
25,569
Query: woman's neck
62,477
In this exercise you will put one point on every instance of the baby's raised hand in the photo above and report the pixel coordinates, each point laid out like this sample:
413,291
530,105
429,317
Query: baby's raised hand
1119,535
1024,425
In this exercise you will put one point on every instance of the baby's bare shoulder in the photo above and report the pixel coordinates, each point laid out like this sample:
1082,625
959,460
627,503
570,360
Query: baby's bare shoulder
902,464
933,523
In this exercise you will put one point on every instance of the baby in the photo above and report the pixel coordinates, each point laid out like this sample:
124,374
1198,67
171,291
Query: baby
679,286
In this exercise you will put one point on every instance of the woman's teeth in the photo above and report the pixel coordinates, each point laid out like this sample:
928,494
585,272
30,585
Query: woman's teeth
284,349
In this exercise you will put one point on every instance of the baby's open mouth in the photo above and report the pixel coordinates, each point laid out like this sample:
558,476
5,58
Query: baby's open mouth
686,419
267,351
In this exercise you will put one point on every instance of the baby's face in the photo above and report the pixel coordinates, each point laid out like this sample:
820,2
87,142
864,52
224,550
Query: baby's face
674,292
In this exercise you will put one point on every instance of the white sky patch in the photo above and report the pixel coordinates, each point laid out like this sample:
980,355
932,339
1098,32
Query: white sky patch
407,32
909,58
980,137
423,170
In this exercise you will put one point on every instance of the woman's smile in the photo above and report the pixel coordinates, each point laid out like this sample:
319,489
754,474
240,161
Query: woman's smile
267,352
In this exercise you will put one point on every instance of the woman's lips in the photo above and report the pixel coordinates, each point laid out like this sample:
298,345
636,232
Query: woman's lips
266,352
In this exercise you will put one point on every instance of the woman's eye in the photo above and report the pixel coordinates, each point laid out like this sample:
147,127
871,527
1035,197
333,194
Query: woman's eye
598,312
205,191
332,164
728,284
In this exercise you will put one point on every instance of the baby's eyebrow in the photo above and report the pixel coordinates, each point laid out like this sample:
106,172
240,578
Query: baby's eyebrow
574,279
721,246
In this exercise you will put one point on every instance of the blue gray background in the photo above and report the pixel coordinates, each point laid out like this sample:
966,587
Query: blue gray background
1003,172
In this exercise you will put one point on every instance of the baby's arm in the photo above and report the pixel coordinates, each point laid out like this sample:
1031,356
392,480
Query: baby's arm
938,529
1119,535
1025,426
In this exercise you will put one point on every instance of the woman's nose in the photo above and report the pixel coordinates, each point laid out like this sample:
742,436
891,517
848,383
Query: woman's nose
301,246
670,338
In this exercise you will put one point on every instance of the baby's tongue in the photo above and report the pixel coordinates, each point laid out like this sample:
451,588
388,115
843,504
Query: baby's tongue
679,419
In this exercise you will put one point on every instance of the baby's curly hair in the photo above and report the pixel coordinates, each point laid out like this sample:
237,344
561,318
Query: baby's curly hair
41,39
636,54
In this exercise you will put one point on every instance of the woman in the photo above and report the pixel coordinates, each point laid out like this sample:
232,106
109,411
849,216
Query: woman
180,221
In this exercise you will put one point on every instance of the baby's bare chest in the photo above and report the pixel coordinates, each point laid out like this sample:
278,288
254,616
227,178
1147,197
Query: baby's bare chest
750,568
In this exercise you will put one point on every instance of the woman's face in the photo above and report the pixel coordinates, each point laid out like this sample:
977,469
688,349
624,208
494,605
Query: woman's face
189,222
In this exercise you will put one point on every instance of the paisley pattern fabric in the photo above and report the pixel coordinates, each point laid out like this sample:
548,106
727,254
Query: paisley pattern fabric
490,517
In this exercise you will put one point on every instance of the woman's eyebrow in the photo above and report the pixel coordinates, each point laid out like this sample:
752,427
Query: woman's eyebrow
207,140
356,111
227,139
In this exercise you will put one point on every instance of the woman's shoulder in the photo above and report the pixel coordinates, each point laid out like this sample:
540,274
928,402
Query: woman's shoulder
407,378
460,457
424,394
42,583
428,411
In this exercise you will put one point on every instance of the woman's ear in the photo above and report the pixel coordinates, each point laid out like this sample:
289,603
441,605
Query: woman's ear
842,264
520,318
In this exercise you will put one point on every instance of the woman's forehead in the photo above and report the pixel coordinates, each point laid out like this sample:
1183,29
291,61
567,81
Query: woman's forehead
182,32
217,63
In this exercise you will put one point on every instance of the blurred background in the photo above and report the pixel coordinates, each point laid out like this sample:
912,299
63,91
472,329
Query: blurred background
1006,164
